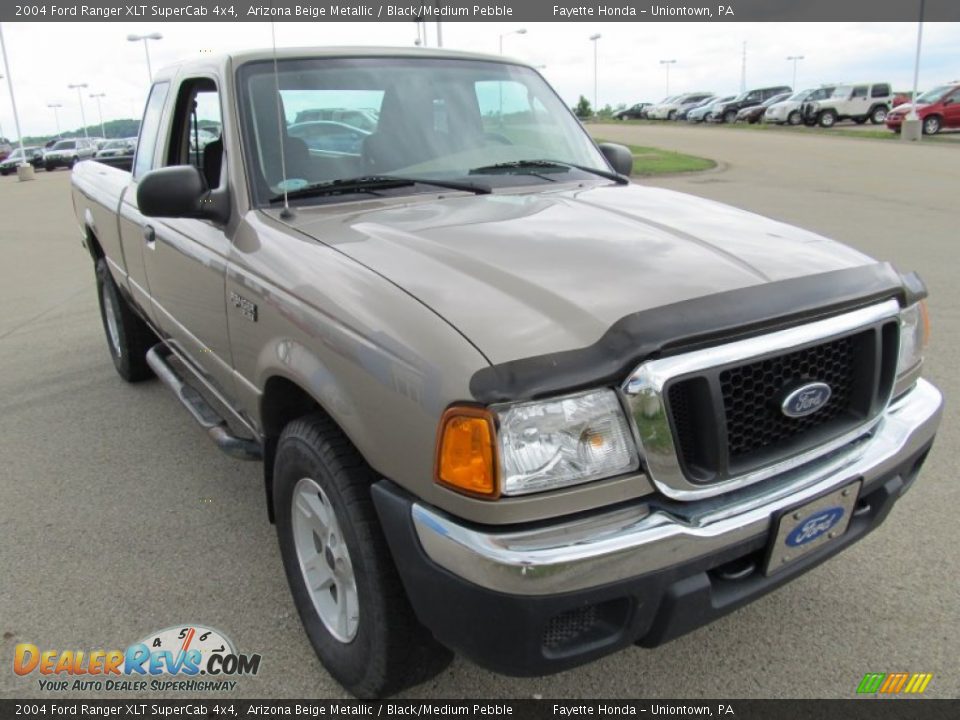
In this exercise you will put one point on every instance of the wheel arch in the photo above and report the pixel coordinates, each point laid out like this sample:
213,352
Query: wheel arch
284,400
90,240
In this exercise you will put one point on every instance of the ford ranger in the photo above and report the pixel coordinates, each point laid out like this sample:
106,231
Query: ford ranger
507,402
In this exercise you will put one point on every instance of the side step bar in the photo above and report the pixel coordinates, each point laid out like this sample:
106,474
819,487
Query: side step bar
158,358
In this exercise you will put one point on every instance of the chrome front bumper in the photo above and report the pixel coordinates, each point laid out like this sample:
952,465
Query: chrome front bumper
627,543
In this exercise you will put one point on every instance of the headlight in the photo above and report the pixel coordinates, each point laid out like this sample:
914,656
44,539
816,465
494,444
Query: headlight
565,441
914,333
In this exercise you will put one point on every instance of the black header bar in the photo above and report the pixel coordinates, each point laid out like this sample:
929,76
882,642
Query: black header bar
866,708
480,11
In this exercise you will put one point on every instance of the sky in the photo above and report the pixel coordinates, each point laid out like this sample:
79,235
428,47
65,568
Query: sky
45,57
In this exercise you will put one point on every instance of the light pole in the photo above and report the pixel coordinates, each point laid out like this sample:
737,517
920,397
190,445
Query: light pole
666,64
916,67
56,115
743,69
519,31
795,59
1,125
146,47
83,116
103,131
25,175
596,103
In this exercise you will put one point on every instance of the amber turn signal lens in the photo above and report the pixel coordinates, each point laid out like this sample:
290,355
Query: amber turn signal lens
466,452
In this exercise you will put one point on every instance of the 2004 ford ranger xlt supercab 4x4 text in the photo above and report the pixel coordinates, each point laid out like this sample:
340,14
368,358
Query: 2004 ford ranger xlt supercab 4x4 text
507,403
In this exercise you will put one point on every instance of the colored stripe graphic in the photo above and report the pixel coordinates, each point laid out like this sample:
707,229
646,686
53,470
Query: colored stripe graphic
894,683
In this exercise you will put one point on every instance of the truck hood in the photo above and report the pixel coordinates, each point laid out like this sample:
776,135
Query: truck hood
521,275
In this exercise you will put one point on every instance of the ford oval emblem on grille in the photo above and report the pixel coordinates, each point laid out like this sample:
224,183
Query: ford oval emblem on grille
806,400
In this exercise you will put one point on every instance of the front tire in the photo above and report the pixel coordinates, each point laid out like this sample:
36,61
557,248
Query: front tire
730,116
931,125
345,586
128,337
828,118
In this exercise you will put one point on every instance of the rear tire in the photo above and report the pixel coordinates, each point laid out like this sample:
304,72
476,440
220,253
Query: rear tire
128,337
878,115
794,118
330,535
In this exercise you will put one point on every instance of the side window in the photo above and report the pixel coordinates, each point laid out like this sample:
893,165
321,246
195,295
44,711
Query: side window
881,90
148,129
195,132
859,91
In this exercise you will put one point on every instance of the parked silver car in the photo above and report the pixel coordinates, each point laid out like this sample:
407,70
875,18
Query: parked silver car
67,153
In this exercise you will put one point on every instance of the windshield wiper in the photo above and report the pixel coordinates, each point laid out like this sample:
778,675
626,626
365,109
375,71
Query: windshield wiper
374,183
520,165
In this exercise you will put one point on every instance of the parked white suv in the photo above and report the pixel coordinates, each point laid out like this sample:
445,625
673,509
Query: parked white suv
668,110
788,111
860,102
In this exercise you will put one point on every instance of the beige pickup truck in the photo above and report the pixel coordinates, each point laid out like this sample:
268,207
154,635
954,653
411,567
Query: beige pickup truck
507,402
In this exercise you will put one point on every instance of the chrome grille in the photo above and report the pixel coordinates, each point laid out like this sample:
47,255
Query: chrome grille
710,420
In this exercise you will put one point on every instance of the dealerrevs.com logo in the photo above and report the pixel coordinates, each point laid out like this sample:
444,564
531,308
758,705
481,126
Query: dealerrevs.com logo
186,658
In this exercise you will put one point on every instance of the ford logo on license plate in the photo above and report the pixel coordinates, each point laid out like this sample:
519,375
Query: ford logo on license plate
815,526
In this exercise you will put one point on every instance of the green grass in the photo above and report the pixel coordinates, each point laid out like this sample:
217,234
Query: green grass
649,161
880,133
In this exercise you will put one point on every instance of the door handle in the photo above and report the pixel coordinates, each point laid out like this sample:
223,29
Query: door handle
149,235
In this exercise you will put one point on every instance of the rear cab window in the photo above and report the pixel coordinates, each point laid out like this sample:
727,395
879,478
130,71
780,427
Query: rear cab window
195,130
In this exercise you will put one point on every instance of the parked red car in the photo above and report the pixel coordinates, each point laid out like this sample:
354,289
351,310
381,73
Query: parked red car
938,108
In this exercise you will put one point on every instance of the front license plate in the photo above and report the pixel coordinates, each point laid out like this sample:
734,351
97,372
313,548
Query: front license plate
801,530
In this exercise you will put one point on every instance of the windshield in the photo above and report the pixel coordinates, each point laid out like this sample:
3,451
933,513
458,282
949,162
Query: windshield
422,118
15,155
111,144
935,95
65,145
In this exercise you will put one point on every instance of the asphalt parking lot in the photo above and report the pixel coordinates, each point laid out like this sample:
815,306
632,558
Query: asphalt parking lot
120,518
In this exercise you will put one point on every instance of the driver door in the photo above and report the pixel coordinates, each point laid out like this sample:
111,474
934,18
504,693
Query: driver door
185,258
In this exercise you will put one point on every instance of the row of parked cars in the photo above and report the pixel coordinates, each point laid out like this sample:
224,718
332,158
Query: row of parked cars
824,106
67,153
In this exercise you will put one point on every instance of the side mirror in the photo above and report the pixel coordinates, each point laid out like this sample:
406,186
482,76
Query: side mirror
180,191
619,157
